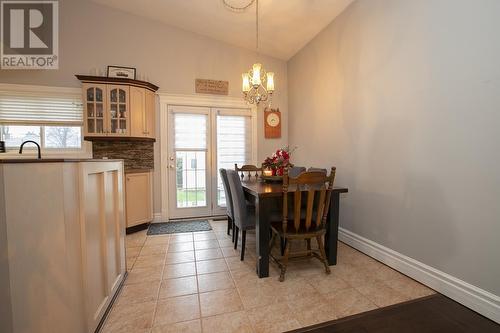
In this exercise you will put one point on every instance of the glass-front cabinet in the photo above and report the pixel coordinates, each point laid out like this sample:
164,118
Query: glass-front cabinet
107,110
119,115
95,121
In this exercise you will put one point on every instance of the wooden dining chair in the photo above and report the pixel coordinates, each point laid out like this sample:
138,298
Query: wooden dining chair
250,170
229,201
308,225
244,214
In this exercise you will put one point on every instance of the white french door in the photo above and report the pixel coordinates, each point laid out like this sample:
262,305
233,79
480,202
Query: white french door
201,141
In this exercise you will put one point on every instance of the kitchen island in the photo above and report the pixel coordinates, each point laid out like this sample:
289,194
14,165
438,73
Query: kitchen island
62,243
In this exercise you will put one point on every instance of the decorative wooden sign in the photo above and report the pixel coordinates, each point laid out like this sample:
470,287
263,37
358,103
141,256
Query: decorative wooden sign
272,123
213,87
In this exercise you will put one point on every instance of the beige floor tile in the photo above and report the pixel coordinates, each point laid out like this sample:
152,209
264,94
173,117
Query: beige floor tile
181,238
177,309
225,242
215,281
248,265
221,234
130,263
312,309
409,287
211,266
138,293
327,283
231,252
354,276
382,295
208,254
258,296
219,302
157,240
150,260
273,318
179,270
385,273
204,235
206,244
146,274
132,252
178,287
179,257
180,247
348,302
192,326
135,317
235,322
154,250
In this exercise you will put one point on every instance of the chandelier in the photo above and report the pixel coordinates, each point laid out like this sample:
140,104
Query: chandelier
258,85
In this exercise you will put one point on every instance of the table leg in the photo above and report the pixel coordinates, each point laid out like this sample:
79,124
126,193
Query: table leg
332,230
262,236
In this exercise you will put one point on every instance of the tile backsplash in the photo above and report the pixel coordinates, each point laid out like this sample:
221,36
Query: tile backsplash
136,154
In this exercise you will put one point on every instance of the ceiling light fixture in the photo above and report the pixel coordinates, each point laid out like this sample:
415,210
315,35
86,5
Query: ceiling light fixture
257,85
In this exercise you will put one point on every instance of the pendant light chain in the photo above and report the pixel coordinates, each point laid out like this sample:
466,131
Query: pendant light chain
237,9
257,26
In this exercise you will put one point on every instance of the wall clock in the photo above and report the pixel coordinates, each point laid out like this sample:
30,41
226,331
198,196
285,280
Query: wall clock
272,123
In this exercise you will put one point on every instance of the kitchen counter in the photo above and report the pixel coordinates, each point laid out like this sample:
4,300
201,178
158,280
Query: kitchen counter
62,243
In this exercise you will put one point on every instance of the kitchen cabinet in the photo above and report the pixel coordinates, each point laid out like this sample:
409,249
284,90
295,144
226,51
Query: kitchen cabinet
143,104
116,108
139,198
62,240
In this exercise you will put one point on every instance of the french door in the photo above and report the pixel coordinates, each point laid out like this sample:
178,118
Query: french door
201,141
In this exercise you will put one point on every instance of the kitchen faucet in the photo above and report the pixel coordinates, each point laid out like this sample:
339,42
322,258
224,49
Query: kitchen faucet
30,141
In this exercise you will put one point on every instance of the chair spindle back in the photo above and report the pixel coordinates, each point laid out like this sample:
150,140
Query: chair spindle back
251,170
315,182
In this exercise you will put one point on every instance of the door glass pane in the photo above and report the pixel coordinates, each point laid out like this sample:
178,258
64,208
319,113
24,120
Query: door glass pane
114,98
190,131
98,94
90,94
191,179
234,145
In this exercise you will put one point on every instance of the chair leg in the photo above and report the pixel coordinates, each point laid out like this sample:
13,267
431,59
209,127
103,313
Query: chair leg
308,241
323,254
243,243
229,225
234,228
235,235
284,264
272,241
283,244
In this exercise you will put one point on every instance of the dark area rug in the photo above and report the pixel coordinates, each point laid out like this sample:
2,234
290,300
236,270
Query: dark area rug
178,226
432,314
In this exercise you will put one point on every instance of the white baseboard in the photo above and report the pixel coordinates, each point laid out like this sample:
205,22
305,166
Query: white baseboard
157,218
477,299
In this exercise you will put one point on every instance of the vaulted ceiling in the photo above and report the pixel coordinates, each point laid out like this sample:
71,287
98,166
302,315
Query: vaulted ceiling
285,25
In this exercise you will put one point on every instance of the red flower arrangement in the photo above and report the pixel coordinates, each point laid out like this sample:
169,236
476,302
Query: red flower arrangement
279,161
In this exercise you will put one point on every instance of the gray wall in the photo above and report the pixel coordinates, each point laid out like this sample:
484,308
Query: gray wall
94,36
403,97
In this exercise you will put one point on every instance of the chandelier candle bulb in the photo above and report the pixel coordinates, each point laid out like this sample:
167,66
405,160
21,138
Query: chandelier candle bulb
246,82
256,75
270,81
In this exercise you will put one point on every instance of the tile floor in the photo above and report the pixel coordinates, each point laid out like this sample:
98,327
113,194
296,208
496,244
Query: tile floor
195,282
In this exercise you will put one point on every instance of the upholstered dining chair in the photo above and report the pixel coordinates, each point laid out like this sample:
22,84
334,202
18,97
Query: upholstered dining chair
250,170
244,214
229,201
317,169
311,224
295,171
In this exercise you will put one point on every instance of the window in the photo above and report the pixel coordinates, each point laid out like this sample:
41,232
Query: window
50,116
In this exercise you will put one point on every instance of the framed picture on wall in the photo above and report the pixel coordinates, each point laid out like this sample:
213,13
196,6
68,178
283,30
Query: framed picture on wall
121,72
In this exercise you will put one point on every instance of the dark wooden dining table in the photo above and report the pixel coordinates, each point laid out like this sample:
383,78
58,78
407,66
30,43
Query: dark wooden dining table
264,195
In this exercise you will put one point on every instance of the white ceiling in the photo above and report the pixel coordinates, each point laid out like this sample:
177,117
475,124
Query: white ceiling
285,25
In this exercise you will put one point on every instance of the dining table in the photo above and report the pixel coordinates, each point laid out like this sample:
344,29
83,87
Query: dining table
263,195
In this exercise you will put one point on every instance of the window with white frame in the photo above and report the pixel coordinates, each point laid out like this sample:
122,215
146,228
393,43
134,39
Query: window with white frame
50,116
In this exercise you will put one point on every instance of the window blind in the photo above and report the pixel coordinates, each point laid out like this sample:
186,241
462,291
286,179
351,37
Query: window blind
41,109
190,131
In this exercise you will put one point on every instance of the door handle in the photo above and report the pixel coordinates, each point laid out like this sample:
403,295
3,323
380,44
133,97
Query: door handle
171,166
